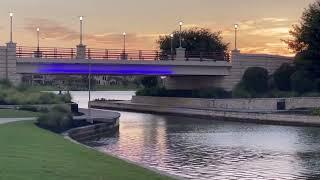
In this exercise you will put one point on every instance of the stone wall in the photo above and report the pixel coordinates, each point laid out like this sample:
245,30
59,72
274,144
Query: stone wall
264,104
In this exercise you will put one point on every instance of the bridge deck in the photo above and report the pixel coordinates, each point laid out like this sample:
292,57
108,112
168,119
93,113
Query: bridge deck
121,67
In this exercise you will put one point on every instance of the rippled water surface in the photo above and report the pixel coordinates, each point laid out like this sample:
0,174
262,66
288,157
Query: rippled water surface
207,149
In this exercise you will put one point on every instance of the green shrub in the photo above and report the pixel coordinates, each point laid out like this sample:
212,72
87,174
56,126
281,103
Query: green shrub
14,98
311,94
58,119
29,108
282,94
22,87
316,112
240,92
43,110
47,98
216,93
282,76
5,84
61,108
10,95
66,98
301,82
317,85
155,91
255,80
150,81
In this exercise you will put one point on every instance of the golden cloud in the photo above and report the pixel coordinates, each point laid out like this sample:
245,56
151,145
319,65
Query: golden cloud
255,36
262,35
52,30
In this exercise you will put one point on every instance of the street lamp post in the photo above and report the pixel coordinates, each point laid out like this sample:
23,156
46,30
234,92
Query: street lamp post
81,29
236,27
180,33
38,40
90,69
163,78
89,104
11,28
171,46
81,48
124,45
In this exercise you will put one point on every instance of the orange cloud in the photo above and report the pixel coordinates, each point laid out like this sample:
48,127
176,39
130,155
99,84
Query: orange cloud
255,36
51,30
262,35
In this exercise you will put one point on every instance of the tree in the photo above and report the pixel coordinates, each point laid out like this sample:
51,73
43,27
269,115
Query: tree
255,80
301,83
306,41
195,40
282,76
150,81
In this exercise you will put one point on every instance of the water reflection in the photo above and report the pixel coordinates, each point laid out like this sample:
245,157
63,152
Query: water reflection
81,97
203,149
207,149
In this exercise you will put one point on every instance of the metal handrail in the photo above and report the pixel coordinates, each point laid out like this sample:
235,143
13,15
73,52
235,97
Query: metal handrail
118,54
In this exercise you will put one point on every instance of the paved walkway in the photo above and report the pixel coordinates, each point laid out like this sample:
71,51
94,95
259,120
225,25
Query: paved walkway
8,120
98,115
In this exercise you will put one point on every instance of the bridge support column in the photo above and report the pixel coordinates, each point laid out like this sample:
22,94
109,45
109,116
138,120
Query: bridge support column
180,54
12,63
3,63
8,63
81,51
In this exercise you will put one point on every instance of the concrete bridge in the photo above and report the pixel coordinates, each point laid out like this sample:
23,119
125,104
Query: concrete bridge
118,62
185,70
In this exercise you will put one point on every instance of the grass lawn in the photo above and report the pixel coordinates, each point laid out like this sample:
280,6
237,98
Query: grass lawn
11,113
30,153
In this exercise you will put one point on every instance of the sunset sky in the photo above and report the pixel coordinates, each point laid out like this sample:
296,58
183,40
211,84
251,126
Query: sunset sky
263,23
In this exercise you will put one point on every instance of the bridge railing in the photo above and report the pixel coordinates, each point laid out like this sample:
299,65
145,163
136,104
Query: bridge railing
120,54
207,56
115,54
46,52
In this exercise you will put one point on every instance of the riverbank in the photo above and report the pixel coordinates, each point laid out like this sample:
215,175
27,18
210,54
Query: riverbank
34,153
105,124
215,114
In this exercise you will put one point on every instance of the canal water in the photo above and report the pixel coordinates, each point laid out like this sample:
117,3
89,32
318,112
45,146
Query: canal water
207,149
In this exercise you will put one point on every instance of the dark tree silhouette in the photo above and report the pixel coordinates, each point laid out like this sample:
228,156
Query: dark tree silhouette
195,40
306,41
307,34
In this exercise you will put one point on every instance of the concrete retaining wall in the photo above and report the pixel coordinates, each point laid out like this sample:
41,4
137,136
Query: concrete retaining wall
237,104
263,118
94,131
